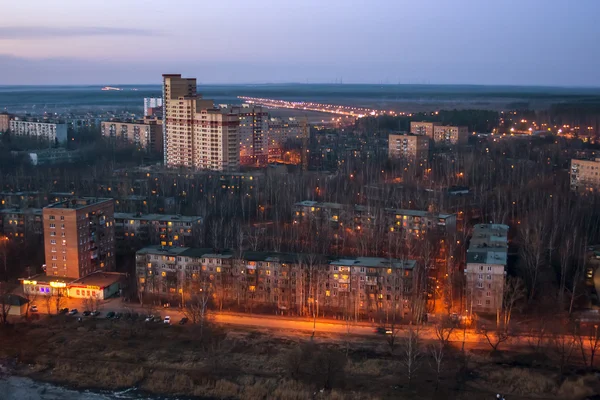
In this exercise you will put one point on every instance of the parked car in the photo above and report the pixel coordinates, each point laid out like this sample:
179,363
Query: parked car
167,320
149,318
183,321
110,315
383,330
86,313
158,318
64,311
95,313
73,311
33,308
118,315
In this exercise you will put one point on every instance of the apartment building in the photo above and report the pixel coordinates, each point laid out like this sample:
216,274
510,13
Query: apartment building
253,132
284,281
48,131
145,134
408,147
485,270
450,135
422,128
358,217
419,222
585,175
4,122
79,237
196,134
151,104
16,223
284,129
136,230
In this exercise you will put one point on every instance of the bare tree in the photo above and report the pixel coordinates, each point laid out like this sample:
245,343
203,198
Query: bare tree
437,352
444,329
59,301
537,336
5,304
495,338
196,308
391,335
514,290
411,353
588,341
532,251
563,345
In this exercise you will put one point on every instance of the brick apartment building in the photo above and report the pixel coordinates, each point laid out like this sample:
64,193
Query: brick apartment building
79,237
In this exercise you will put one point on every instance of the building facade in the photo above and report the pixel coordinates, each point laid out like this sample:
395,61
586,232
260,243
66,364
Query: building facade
284,129
253,131
79,237
4,122
450,135
585,175
19,223
135,230
360,218
422,128
408,147
47,131
196,134
151,103
145,134
485,270
292,282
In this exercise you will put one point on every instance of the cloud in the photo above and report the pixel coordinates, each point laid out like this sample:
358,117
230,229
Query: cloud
41,32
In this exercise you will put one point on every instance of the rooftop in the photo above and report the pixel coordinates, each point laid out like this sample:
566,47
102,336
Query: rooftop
416,213
16,300
43,278
79,203
157,217
100,279
172,251
375,262
34,211
487,256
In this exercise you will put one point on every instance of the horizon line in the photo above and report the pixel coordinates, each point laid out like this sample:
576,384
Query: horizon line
313,83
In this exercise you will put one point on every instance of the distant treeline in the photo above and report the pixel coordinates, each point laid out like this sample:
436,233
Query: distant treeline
475,120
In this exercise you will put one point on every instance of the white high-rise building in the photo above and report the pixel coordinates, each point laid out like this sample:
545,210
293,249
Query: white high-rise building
151,102
50,131
197,134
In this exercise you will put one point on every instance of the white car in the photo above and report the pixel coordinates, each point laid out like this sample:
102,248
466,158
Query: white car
167,320
33,308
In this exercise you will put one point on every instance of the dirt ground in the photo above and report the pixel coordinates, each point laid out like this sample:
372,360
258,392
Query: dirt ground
225,363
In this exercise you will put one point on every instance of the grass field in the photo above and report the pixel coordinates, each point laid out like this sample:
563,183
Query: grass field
262,364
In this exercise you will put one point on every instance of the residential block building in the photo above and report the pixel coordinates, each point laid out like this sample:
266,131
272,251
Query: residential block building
136,230
422,128
16,223
450,135
253,132
48,131
197,135
408,147
358,217
79,237
585,175
4,122
150,104
145,134
283,129
284,281
485,270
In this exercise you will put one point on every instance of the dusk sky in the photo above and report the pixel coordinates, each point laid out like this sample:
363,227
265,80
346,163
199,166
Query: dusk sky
520,42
